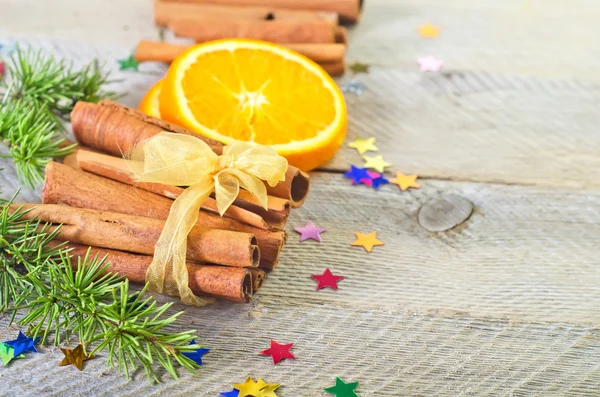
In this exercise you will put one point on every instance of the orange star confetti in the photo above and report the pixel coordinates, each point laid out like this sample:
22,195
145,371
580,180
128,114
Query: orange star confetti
429,31
405,181
367,241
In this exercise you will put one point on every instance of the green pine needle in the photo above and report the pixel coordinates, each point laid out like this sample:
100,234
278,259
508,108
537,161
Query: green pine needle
85,302
40,91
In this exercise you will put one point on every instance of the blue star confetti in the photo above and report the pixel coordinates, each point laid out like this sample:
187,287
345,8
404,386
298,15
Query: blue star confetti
23,344
354,87
196,355
232,393
357,174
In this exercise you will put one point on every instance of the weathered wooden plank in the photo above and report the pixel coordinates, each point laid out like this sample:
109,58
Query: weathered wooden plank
478,126
525,252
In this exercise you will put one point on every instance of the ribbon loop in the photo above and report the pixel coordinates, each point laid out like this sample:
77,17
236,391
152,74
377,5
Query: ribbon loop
182,160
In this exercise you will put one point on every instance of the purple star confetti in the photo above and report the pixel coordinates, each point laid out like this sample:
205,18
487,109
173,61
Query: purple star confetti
310,231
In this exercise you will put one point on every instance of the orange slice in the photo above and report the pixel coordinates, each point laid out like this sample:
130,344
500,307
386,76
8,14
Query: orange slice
258,92
149,103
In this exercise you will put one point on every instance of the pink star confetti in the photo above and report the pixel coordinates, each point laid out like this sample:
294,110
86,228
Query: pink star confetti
310,231
430,64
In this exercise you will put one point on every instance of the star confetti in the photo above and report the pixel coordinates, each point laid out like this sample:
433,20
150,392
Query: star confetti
279,352
327,279
429,64
363,145
197,354
377,163
233,393
374,180
1,69
358,67
74,356
343,389
23,344
429,31
354,87
367,241
405,181
310,231
256,389
357,174
7,353
128,63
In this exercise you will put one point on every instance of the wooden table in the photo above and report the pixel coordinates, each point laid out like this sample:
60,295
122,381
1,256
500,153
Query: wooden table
506,303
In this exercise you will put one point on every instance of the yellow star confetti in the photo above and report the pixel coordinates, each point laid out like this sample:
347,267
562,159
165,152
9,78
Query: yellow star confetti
367,241
377,163
74,356
363,145
405,181
256,389
429,31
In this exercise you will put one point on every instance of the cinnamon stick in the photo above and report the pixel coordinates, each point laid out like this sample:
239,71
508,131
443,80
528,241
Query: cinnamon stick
139,234
166,12
64,185
116,129
277,31
118,169
159,51
231,283
334,68
349,10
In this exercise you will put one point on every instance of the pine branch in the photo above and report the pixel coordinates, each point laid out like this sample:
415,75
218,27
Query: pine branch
29,131
97,307
24,255
100,309
42,90
44,79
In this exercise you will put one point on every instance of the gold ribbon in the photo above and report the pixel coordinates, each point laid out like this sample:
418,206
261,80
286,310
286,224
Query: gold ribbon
182,160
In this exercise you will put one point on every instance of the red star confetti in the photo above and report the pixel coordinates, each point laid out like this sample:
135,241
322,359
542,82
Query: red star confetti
279,352
327,279
1,69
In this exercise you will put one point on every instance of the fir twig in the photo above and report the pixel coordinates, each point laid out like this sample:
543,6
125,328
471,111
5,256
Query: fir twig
40,91
85,302
24,254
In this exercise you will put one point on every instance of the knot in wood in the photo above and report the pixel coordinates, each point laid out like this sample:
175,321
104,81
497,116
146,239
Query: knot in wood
443,214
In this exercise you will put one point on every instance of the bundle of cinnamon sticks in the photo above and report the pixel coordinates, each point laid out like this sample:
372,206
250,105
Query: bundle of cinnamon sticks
310,27
96,199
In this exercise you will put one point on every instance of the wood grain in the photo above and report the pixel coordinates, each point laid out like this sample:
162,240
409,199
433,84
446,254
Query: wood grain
505,304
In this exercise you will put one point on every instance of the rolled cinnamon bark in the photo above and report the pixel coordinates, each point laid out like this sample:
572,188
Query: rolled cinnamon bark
334,68
139,234
349,10
159,51
231,283
116,129
119,169
276,31
64,185
166,12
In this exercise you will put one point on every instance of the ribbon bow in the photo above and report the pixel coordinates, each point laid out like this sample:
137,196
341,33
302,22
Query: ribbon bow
182,160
